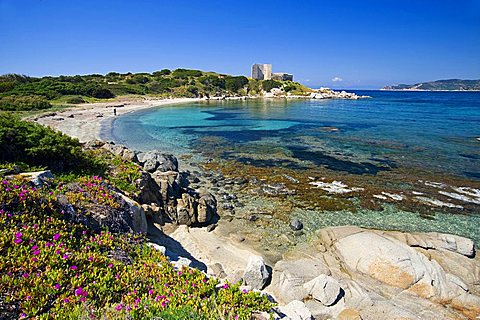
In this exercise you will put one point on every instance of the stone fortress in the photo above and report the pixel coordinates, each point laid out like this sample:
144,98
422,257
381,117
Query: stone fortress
264,72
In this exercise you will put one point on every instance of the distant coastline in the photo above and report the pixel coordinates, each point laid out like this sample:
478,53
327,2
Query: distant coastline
439,85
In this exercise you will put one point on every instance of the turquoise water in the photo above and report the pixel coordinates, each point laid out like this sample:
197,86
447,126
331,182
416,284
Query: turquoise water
433,131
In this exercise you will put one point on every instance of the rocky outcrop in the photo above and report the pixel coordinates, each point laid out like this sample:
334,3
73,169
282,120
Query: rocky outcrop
162,191
355,273
157,161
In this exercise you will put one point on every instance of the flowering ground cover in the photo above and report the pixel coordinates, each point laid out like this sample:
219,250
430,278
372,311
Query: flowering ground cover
51,267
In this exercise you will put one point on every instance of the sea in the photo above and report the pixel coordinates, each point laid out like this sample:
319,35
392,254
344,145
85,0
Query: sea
429,134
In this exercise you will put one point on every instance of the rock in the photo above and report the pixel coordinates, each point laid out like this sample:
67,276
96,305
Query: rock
139,220
157,247
396,264
290,275
180,262
169,188
235,277
157,161
149,191
296,224
296,310
349,314
186,210
38,178
216,270
324,289
207,208
211,227
256,273
435,240
93,144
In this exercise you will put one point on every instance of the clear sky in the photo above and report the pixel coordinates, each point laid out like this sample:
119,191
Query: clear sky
341,44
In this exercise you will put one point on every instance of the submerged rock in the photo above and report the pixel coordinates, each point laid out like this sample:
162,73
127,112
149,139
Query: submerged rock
296,224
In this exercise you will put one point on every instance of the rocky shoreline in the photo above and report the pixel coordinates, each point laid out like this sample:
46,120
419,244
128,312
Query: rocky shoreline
340,272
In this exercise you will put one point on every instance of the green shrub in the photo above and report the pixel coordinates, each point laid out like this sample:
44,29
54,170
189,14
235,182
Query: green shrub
75,100
23,103
234,84
268,85
185,73
35,145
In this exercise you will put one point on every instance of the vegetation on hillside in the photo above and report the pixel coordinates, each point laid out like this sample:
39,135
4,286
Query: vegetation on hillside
19,92
443,85
53,267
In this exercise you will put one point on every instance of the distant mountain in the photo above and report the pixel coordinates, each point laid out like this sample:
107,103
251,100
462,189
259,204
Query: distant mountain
439,85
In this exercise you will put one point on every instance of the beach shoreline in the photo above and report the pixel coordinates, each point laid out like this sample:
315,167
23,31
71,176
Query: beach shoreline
86,121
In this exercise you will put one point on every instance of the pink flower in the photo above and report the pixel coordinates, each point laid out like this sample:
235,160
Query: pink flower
57,286
82,299
56,236
18,234
66,300
164,304
36,252
25,275
80,292
150,292
119,307
110,265
18,240
73,267
35,247
34,259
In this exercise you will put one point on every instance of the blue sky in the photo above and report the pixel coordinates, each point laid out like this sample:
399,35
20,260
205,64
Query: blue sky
342,44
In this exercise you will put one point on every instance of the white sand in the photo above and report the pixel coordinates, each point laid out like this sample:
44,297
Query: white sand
87,118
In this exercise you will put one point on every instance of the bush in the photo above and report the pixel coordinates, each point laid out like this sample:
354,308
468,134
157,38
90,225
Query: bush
185,73
268,85
35,145
75,100
235,83
102,93
163,72
23,103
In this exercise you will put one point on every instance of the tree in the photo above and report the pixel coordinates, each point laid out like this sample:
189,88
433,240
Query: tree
234,84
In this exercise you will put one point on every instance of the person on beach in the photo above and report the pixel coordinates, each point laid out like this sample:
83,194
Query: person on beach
114,111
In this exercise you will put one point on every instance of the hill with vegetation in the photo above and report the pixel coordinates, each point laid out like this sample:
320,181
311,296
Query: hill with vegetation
23,93
56,261
440,85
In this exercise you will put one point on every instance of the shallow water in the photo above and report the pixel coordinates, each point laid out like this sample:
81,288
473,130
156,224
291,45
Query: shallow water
428,130
392,132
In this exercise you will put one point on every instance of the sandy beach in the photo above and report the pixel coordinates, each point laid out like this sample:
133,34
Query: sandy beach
84,121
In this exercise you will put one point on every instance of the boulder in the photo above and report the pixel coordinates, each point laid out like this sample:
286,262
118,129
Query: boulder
187,210
157,161
324,289
396,264
256,273
290,275
169,188
137,214
149,191
296,310
207,208
38,178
